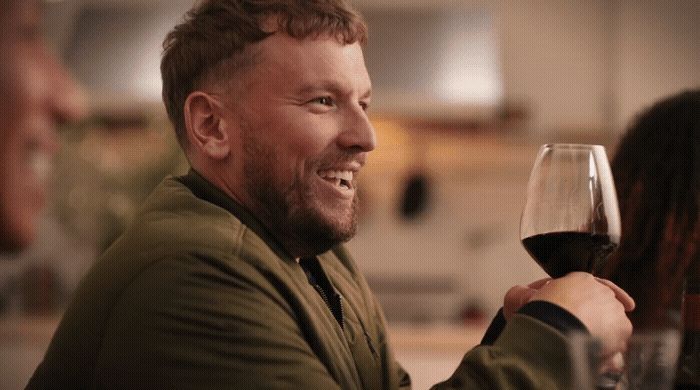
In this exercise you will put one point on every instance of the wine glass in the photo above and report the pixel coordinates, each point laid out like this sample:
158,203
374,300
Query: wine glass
650,361
571,220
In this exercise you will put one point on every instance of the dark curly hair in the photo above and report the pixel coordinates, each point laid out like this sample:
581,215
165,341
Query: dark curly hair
657,176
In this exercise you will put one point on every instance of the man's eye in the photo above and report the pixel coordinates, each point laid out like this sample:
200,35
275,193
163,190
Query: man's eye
364,105
324,100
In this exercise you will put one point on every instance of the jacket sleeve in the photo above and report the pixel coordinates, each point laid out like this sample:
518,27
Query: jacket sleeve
398,378
528,354
196,327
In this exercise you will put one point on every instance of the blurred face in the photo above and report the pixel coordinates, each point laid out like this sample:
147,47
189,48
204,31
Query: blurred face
304,136
35,96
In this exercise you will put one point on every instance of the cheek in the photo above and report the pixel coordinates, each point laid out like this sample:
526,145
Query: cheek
295,145
10,110
21,85
19,209
314,140
297,140
22,190
17,177
11,145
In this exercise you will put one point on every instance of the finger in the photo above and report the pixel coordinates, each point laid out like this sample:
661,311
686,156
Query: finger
539,283
620,294
614,363
515,298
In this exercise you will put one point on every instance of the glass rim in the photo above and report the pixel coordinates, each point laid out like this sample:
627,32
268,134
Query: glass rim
571,146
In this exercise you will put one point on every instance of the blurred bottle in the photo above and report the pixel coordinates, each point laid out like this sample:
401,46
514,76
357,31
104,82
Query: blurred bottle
688,373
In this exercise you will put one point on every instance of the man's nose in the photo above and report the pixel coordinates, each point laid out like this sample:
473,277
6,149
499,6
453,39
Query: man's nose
67,98
358,133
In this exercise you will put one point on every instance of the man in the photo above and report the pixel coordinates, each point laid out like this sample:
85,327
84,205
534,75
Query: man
234,276
36,95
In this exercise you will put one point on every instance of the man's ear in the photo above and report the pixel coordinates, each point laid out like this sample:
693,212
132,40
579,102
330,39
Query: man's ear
206,129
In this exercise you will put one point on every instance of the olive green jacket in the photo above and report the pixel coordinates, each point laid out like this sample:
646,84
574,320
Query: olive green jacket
193,297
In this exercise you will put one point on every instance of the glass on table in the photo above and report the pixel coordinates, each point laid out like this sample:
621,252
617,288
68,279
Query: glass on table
649,362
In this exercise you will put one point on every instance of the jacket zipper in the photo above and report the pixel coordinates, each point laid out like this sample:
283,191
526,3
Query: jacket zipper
369,343
338,316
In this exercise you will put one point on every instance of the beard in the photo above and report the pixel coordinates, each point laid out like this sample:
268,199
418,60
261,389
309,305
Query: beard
293,213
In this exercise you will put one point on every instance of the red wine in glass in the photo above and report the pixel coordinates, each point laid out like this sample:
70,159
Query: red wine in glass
559,253
571,220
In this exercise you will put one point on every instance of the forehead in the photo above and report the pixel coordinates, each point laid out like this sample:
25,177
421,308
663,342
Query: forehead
308,59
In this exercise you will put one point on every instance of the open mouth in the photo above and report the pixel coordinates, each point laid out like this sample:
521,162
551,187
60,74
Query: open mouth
340,179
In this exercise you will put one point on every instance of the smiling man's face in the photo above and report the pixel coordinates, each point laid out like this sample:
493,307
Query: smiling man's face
304,135
36,95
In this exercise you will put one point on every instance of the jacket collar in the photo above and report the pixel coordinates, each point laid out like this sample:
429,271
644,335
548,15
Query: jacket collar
203,189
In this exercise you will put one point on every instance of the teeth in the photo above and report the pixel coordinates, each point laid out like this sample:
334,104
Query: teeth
338,175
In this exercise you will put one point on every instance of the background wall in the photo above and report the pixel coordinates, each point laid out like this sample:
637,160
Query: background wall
584,69
658,51
592,64
580,66
553,60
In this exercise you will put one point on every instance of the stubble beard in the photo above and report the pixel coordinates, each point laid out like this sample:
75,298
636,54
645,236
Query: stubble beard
293,214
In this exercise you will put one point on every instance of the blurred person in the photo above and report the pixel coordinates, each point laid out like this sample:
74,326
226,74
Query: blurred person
657,176
235,276
36,95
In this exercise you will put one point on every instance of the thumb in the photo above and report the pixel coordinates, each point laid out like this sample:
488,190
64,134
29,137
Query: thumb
515,298
538,284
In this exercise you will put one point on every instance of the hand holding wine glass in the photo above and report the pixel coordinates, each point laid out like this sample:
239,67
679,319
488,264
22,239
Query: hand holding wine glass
570,225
